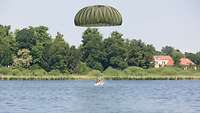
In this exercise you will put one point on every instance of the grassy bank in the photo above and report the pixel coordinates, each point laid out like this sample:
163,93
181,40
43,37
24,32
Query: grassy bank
131,73
85,77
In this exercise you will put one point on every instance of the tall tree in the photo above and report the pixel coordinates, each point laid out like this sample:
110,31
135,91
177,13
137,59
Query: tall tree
194,57
92,49
55,55
198,58
140,54
41,34
7,45
42,39
73,60
115,49
25,38
167,50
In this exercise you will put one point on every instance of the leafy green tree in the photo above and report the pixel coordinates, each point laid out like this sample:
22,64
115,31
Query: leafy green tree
42,38
149,52
194,57
4,31
25,38
5,54
92,50
140,54
115,49
167,50
55,55
34,39
23,58
37,52
198,58
73,60
177,55
7,45
41,34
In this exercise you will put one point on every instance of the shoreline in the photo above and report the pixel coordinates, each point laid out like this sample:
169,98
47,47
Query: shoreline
85,77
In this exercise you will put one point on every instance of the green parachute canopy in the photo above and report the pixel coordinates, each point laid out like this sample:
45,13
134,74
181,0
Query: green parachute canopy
97,16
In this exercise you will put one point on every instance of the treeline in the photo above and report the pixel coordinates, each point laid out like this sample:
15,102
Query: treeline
34,47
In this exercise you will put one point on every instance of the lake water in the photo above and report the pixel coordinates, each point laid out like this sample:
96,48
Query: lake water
114,97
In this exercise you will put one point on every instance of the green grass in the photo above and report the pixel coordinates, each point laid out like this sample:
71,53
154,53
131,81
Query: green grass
85,77
130,73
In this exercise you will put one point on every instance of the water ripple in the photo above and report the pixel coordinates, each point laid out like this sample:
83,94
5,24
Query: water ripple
114,97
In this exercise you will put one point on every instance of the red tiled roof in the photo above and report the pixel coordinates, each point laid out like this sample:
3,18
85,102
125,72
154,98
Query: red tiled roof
168,58
186,61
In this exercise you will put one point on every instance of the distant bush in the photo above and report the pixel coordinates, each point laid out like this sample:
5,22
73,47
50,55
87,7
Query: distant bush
39,72
5,70
113,72
95,73
54,72
83,69
154,71
169,71
135,71
35,66
16,72
25,72
165,71
66,72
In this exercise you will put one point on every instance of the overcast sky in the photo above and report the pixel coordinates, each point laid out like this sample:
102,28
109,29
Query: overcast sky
158,22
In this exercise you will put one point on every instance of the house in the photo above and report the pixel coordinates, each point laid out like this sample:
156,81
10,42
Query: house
187,63
162,61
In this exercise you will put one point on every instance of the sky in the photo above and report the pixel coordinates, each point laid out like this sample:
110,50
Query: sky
159,22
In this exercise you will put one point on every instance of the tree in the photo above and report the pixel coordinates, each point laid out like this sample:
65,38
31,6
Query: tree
194,57
55,55
7,46
92,49
23,58
25,38
149,52
177,55
42,38
41,34
73,60
34,39
4,31
198,58
140,54
167,50
5,54
37,52
115,49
